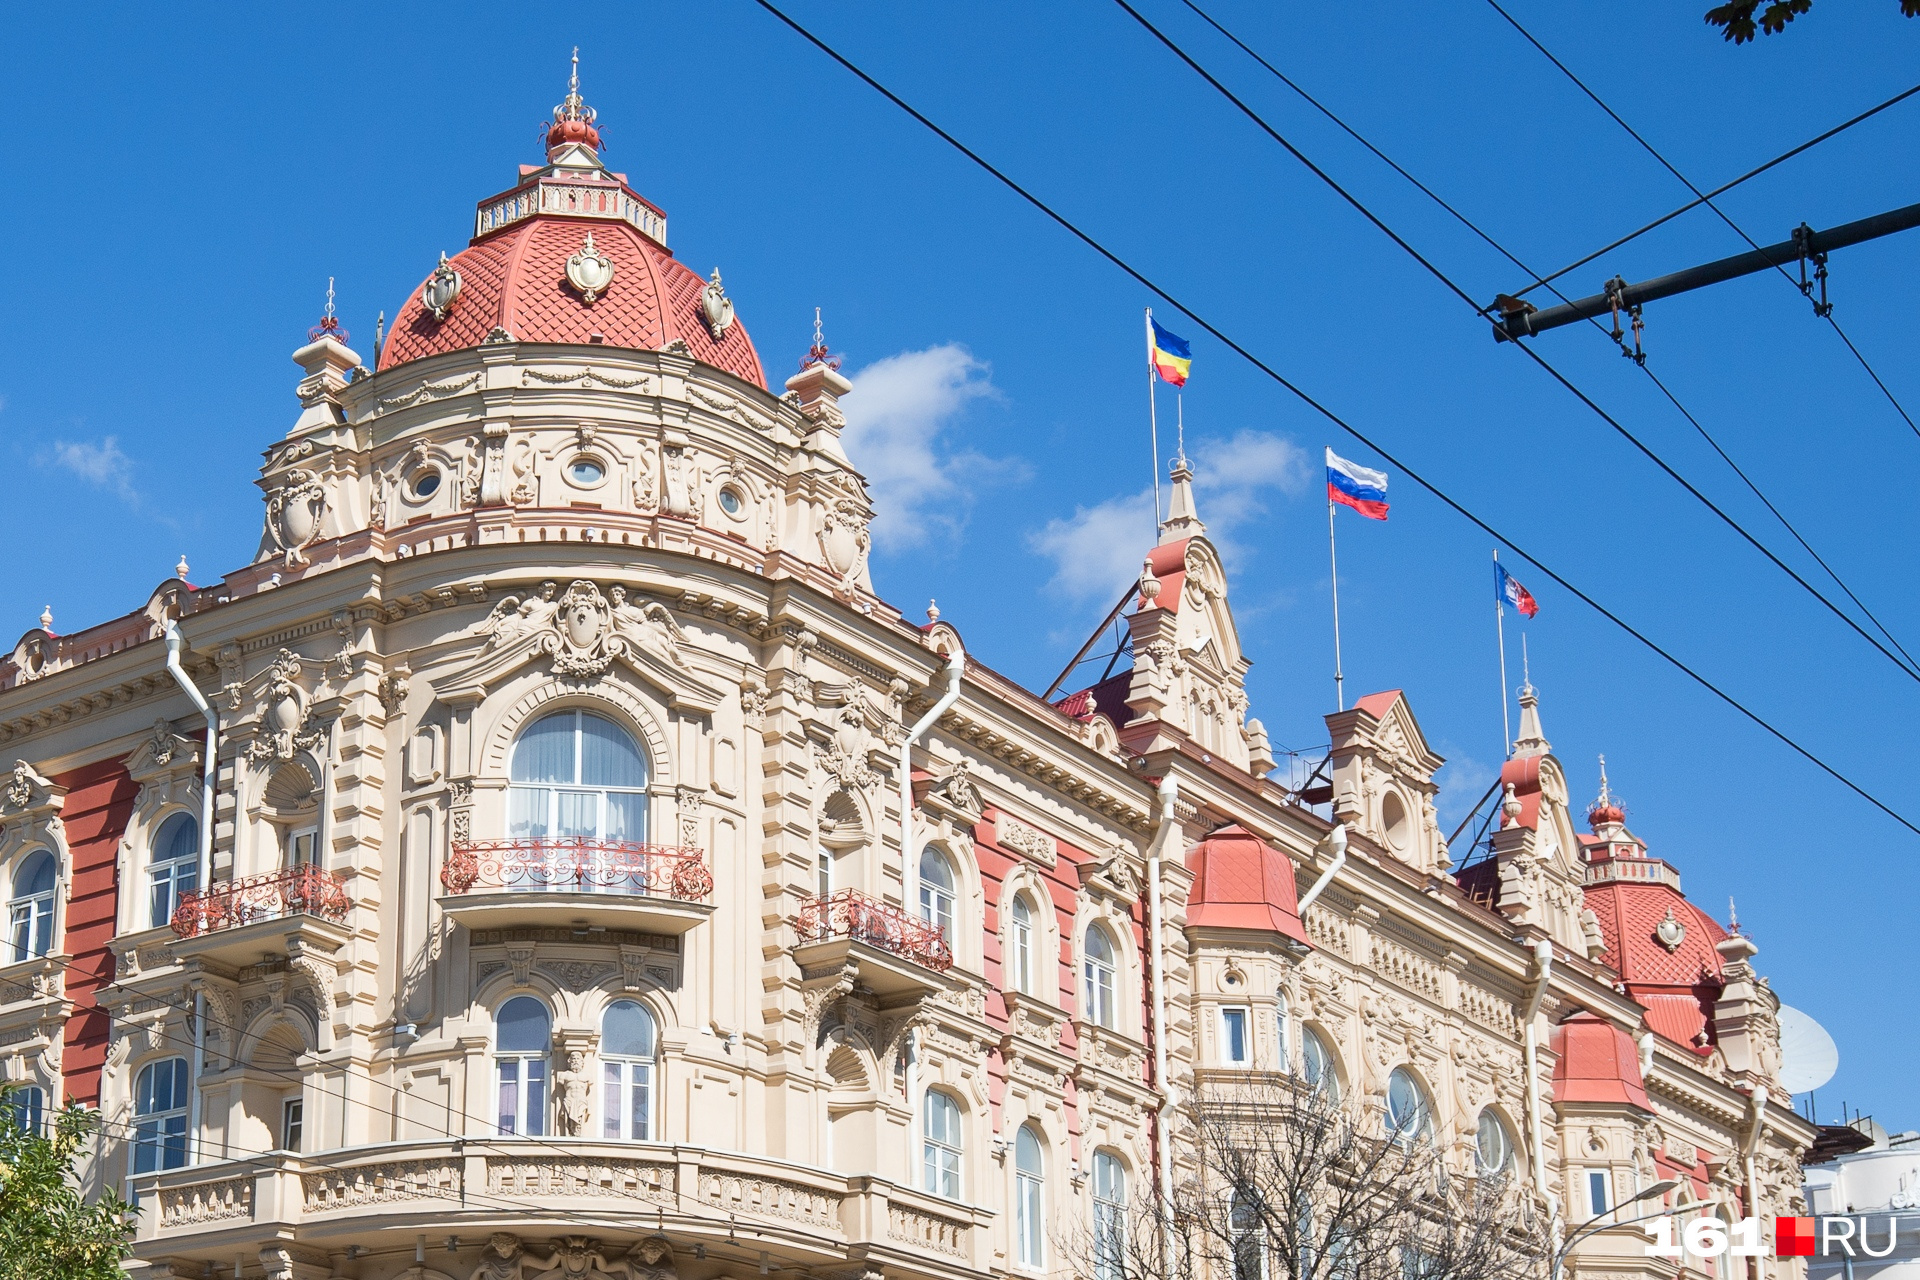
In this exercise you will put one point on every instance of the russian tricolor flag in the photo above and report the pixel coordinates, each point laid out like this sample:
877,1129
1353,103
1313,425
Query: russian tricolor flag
1362,488
1507,588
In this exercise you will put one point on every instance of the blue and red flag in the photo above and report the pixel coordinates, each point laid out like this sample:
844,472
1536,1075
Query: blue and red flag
1507,588
1362,488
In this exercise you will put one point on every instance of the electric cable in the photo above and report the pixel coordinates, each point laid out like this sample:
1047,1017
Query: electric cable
1504,252
1324,411
1651,150
1528,348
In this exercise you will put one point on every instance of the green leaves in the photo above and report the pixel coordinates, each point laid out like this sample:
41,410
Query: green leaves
48,1231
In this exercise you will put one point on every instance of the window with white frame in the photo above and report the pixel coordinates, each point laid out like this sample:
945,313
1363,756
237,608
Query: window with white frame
1109,1217
1599,1192
940,1145
627,1051
30,909
303,847
1029,1199
160,1116
1021,946
173,871
1249,1238
577,776
26,1106
1102,977
937,891
1283,1030
1493,1145
1409,1115
1317,1067
1236,1050
823,872
521,1040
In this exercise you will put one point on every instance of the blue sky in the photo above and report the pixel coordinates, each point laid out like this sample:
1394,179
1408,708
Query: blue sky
182,191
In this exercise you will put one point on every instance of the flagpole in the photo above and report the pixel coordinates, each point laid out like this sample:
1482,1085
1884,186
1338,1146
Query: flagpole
1153,424
1333,558
1500,626
1180,417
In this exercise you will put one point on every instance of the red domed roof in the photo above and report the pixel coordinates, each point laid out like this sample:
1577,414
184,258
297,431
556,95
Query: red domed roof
1242,882
1596,1061
516,280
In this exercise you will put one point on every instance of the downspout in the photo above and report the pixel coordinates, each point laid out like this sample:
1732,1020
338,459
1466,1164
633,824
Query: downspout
205,880
1543,972
1338,839
910,878
1167,831
1752,1148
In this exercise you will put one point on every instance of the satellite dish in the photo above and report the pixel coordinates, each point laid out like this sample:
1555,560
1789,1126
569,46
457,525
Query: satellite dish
1808,1056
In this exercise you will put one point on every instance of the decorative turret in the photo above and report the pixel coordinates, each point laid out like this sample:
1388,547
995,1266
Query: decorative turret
816,392
1183,518
1605,812
1532,740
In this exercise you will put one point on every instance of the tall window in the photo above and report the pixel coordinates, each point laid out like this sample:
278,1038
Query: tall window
1316,1064
1109,1217
1235,1051
1599,1191
174,870
30,918
626,1071
26,1105
1408,1115
577,775
1249,1249
303,847
293,1116
937,891
1020,946
1101,977
1493,1149
160,1116
940,1145
1283,1029
521,1037
1029,1199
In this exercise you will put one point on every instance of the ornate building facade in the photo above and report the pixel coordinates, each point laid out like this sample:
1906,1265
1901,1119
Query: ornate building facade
550,857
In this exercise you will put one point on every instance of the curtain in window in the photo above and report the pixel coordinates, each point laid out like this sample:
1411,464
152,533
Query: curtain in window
626,1071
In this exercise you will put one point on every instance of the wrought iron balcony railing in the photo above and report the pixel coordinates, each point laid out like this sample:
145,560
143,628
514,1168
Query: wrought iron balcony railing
852,914
302,890
576,865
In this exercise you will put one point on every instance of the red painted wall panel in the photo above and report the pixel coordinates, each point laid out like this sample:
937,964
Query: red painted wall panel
99,805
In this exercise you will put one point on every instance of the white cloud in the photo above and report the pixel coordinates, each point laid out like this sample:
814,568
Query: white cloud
898,416
1097,549
101,465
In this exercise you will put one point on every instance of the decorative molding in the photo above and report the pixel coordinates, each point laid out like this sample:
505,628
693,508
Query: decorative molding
424,392
587,378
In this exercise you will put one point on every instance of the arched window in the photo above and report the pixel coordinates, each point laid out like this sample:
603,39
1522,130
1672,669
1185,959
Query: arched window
626,1071
1493,1146
1109,1217
1101,976
1021,946
521,1034
26,1107
940,1145
1317,1064
1409,1116
1283,1029
30,920
937,891
1029,1199
174,869
160,1116
1249,1247
577,776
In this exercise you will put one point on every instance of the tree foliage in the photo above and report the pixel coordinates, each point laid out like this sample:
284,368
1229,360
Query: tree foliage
1293,1185
1742,20
48,1230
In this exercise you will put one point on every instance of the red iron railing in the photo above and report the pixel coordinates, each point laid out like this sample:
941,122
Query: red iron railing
580,865
852,914
302,890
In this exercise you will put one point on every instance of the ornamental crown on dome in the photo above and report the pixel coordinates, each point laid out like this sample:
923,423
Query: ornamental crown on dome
573,119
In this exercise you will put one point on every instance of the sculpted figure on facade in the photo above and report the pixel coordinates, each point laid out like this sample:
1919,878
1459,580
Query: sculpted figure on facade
577,1258
505,1258
573,1089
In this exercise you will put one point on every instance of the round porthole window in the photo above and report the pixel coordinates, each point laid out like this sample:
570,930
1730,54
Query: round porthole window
426,482
730,502
585,472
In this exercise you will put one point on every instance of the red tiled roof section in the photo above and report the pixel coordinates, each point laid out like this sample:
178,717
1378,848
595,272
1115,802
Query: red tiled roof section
1522,773
1596,1063
1378,704
516,280
1242,882
1629,916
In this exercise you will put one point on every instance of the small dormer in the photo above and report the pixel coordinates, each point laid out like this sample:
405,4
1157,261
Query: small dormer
1383,779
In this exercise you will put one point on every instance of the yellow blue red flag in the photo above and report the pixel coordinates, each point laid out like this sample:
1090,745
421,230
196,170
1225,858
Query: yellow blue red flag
1171,359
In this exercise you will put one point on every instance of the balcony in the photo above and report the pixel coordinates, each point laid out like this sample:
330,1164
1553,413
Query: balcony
877,945
238,922
576,882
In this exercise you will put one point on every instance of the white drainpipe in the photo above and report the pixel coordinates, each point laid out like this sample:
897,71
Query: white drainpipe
910,878
1543,971
205,881
1338,839
1753,1146
1167,831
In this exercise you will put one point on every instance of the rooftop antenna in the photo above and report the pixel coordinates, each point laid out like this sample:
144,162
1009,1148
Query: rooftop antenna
1526,667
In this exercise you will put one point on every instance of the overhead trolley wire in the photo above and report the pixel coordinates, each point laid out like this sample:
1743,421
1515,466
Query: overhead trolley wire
1470,225
1826,314
1528,348
1324,411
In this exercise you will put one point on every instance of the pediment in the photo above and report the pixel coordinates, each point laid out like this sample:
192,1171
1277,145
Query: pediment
584,633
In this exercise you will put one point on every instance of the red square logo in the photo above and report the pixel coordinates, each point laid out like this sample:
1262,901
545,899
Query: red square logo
1793,1237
